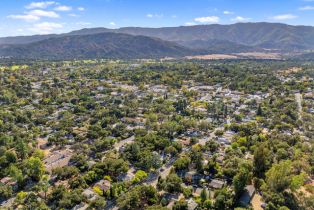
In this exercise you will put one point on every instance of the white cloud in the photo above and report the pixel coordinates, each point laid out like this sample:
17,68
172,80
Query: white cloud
190,23
45,27
26,17
307,8
63,8
154,15
240,19
112,23
40,5
226,12
209,19
43,13
81,9
34,15
284,17
73,15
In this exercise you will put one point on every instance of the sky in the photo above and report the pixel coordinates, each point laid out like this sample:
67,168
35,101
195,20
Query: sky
27,17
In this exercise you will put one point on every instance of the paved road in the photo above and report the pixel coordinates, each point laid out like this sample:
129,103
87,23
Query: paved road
298,98
164,171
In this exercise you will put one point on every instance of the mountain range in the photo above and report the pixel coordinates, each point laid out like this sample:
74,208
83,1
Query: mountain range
136,42
91,46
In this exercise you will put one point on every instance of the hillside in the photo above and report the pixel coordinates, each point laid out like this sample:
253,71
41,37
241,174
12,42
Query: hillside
305,56
257,35
217,46
103,45
263,35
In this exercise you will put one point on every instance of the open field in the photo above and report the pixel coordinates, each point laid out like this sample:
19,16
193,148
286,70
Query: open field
249,55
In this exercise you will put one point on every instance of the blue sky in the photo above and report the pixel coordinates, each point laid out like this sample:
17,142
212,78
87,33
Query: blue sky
26,17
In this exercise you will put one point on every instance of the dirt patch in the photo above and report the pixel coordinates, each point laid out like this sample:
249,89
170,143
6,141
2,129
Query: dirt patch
260,55
257,202
249,55
290,70
212,57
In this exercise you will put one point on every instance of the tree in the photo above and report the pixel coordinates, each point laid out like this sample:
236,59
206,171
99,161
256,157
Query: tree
261,161
71,199
180,205
139,176
149,160
223,199
97,204
39,153
278,178
65,172
182,163
208,204
240,180
77,182
203,194
297,181
44,185
5,192
173,183
34,168
138,197
22,149
57,194
60,197
16,174
259,110
10,157
187,192
31,202
20,197
110,166
156,207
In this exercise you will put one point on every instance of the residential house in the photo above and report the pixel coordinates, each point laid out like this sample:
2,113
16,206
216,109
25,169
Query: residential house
217,184
89,194
247,195
192,205
193,176
10,182
57,159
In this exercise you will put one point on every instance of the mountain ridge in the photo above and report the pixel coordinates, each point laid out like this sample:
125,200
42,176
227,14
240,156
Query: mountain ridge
275,36
101,45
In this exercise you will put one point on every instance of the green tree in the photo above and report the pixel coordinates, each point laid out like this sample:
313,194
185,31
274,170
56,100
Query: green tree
261,161
34,168
173,183
182,163
139,176
5,192
97,204
240,180
138,197
223,199
278,178
180,205
203,194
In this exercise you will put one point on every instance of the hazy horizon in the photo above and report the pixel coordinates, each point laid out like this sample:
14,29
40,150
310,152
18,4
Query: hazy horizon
84,28
29,17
